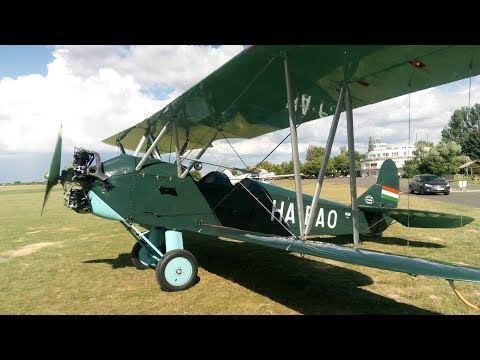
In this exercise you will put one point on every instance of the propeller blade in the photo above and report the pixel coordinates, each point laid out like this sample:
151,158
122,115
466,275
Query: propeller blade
53,173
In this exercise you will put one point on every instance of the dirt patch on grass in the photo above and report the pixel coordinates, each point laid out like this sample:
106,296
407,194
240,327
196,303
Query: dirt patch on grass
26,250
33,232
67,229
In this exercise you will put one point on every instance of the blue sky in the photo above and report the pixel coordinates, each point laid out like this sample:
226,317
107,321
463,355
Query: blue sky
17,60
96,91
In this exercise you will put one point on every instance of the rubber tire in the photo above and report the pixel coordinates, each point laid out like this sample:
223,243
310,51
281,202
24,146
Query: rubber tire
446,192
411,190
165,260
422,191
135,260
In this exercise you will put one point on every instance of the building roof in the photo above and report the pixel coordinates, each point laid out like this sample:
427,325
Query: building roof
474,164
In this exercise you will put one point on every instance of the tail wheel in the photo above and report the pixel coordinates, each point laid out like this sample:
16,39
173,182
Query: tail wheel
140,257
177,270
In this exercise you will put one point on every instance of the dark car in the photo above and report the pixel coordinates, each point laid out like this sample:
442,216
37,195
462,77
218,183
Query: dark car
428,184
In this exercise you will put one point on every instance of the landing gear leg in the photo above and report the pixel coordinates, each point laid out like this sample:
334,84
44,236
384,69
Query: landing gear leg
149,246
177,270
139,257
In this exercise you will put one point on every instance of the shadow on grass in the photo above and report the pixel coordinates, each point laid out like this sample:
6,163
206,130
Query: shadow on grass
122,261
307,286
347,239
304,285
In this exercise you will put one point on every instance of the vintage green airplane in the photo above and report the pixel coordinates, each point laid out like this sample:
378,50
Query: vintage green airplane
261,90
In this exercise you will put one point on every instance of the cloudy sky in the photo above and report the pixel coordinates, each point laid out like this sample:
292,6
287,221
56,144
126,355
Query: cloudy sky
96,91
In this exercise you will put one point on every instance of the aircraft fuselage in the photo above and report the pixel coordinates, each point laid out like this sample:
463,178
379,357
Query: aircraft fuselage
155,197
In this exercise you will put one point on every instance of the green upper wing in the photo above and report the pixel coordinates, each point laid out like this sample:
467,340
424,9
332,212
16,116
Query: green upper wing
246,97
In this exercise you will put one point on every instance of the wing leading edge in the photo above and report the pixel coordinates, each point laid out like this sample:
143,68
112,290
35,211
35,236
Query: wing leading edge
356,256
246,97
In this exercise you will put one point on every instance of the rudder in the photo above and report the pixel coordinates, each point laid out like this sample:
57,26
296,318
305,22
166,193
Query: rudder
385,193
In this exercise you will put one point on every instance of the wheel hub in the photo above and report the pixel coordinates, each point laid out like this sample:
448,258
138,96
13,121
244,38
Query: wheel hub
178,271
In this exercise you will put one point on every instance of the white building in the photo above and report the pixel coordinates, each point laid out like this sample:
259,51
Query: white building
381,152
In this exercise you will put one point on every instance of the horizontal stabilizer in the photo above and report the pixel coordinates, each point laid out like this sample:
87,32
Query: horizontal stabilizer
421,218
357,256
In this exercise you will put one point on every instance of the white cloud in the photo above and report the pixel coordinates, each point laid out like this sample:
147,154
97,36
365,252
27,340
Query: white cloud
96,91
430,112
172,66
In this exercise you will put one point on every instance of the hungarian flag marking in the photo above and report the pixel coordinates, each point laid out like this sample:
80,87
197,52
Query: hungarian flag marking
389,193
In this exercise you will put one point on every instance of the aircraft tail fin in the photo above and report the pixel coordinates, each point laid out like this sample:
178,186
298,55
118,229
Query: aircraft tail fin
386,192
379,204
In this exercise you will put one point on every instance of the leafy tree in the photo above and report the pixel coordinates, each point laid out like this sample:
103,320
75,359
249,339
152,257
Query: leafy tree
462,122
330,168
412,167
310,168
267,165
340,164
313,161
422,148
285,168
443,158
314,153
471,145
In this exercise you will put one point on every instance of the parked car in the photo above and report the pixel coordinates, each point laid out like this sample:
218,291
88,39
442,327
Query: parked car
428,184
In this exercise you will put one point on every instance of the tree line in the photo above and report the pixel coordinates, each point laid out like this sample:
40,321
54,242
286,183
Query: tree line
337,165
460,143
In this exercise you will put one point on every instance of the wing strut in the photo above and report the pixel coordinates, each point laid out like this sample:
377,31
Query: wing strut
295,156
177,149
351,163
156,154
139,146
187,170
152,147
326,156
344,96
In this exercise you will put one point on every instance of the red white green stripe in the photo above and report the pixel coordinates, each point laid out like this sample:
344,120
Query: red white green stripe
389,193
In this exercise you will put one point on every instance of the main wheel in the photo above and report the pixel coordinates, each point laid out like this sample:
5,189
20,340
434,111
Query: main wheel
140,257
422,191
447,192
177,270
411,190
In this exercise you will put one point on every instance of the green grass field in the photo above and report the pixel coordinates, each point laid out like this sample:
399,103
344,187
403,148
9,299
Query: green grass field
65,263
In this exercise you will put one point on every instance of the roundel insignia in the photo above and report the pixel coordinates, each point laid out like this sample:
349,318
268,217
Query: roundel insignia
369,200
